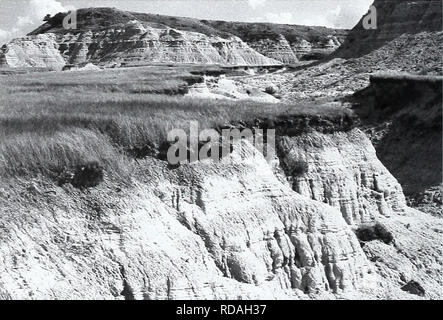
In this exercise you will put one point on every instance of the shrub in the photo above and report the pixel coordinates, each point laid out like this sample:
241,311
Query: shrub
83,176
312,56
299,168
414,287
271,90
375,232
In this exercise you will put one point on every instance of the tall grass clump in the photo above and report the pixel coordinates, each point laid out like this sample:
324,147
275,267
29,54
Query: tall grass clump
28,154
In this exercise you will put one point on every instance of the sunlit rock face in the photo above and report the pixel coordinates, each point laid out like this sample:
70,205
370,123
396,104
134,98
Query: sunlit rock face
32,51
343,171
260,231
209,230
132,44
394,18
301,47
135,43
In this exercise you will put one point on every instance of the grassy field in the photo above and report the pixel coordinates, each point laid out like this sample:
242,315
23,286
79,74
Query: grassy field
55,120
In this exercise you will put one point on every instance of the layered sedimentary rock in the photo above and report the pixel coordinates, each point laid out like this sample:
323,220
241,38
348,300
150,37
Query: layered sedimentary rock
331,43
418,53
32,51
135,43
303,40
208,230
301,47
394,18
278,49
317,50
112,37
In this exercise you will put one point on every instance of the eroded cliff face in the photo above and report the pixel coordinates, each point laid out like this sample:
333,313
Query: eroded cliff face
278,48
206,230
273,38
233,229
402,115
130,44
112,37
135,43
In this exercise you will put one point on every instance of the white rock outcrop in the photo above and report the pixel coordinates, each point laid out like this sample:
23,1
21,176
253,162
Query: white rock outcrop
278,49
342,170
132,43
138,44
32,51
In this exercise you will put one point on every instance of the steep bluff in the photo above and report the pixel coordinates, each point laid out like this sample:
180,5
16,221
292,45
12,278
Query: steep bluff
278,48
394,18
302,40
233,229
209,230
132,44
402,114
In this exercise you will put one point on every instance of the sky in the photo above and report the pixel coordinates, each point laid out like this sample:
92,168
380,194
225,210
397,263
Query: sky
18,17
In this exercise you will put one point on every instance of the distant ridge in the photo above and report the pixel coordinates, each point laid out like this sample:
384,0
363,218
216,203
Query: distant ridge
111,37
394,18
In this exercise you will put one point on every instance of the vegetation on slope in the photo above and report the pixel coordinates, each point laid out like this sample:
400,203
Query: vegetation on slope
102,18
53,121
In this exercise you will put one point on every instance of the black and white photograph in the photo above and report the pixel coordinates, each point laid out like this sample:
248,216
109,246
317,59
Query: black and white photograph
221,150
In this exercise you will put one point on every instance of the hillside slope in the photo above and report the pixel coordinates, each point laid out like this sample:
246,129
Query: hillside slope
407,39
394,18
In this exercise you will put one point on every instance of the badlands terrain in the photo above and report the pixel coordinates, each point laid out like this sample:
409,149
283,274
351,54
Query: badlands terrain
349,207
